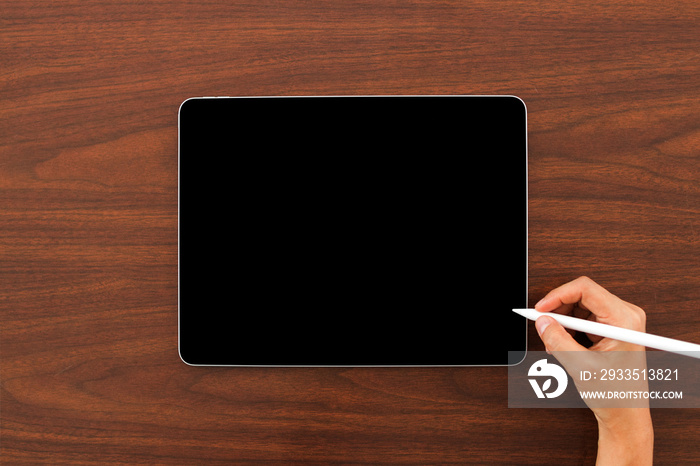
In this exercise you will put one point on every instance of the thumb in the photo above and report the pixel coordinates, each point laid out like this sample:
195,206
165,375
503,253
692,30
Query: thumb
555,337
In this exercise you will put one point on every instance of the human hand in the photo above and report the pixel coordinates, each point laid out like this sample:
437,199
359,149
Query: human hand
625,434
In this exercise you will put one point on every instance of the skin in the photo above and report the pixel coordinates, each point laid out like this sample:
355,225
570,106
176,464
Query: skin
625,435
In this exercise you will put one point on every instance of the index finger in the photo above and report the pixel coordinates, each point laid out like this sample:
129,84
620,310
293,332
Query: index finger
586,293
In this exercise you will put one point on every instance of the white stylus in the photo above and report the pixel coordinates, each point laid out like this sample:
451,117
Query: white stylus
617,333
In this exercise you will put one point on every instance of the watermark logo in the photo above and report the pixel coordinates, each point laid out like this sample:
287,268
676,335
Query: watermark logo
546,371
605,379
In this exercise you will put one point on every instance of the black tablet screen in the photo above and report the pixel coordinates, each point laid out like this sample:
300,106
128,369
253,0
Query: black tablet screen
352,230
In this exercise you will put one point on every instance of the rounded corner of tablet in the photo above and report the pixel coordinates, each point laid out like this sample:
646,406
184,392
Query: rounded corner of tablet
520,101
183,358
516,357
183,106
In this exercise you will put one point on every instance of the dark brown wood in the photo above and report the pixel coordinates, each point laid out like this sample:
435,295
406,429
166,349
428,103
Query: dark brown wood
89,93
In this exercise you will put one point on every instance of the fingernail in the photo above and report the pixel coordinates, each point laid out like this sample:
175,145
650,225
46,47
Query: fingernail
539,303
542,323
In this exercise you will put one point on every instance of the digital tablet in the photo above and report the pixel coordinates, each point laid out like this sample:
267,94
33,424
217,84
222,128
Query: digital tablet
352,230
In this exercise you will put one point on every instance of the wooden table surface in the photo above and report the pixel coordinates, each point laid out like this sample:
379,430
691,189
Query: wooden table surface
89,94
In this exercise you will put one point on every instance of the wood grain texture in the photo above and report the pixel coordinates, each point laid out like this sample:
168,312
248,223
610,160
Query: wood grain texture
89,93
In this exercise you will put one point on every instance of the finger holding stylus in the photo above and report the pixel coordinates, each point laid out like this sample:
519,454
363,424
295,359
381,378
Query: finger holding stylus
586,299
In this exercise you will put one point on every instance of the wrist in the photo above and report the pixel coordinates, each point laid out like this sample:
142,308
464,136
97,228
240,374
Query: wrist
627,437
